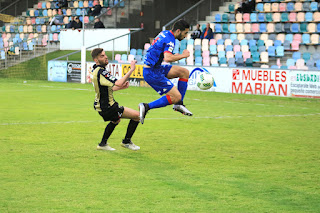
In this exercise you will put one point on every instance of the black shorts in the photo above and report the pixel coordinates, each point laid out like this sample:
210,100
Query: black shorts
113,113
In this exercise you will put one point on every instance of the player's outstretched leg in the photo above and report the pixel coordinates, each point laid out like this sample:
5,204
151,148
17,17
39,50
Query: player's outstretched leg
183,75
103,145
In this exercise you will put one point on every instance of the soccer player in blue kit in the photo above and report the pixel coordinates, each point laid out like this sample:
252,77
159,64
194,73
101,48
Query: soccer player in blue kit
157,75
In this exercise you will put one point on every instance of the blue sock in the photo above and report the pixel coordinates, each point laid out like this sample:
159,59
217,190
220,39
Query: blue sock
161,102
182,86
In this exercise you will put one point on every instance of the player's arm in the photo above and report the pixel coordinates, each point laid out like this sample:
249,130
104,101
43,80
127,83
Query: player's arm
123,82
169,57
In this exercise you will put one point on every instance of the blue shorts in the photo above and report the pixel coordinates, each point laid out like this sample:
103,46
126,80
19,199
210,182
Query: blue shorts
156,77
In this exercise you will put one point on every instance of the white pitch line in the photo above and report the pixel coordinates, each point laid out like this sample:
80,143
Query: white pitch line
175,118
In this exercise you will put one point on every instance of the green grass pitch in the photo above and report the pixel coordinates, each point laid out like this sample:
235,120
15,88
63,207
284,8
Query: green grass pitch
238,153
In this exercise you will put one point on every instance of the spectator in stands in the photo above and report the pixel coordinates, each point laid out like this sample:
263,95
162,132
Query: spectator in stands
98,23
57,20
207,33
196,33
71,24
95,11
77,24
62,4
246,6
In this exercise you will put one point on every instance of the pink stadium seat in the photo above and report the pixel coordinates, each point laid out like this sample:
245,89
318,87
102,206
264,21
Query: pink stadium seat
218,36
95,2
255,27
213,42
86,19
130,58
236,48
39,5
206,61
295,45
246,17
85,4
117,57
275,7
190,61
297,37
282,7
300,64
246,55
205,53
293,17
276,17
146,46
33,20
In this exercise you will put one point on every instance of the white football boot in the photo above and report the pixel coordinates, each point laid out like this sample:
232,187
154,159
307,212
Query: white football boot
182,109
131,146
105,148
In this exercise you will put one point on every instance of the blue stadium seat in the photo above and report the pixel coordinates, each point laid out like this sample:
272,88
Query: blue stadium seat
197,53
310,64
220,42
190,42
232,62
254,49
232,28
213,49
238,55
3,55
277,43
252,42
289,37
287,27
198,61
139,51
221,54
296,56
217,18
218,28
260,43
290,6
259,7
244,42
239,62
280,51
262,49
318,64
133,51
253,17
272,51
318,28
249,62
255,56
222,60
261,17
314,6
290,62
309,17
263,27
233,37
306,56
305,38
295,28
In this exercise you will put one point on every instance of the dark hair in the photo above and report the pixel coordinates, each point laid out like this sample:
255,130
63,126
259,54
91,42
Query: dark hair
181,25
95,52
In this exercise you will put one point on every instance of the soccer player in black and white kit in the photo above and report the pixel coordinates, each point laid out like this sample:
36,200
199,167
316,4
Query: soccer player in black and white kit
104,84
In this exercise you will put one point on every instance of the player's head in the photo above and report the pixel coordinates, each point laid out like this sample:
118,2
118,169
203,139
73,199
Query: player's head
99,56
180,29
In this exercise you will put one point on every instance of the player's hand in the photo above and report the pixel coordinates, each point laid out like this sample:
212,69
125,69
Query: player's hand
186,53
125,85
133,65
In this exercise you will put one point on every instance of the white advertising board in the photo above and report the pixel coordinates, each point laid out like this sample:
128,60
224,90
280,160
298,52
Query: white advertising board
305,84
114,69
72,39
260,82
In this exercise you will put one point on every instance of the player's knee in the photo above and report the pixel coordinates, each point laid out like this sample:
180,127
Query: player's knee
116,122
184,73
136,117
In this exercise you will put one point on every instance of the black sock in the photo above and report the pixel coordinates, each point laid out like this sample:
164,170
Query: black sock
132,126
179,103
107,132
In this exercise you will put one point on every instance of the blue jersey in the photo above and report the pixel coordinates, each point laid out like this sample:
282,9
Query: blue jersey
164,42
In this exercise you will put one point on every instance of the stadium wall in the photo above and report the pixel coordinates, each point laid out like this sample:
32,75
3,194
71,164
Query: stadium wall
272,82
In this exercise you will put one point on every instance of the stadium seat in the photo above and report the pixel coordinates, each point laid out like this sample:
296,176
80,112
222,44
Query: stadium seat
246,55
295,45
213,49
306,56
124,58
295,28
231,7
303,28
239,28
272,51
276,17
239,62
277,43
314,6
249,62
214,61
253,17
282,7
310,64
305,38
221,54
255,56
270,27
259,7
263,27
267,7
318,64
311,28
300,64
223,62
232,28
275,7
261,17
231,62
246,17
290,6
280,51
238,55
255,28
236,48
306,6
239,17
314,39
